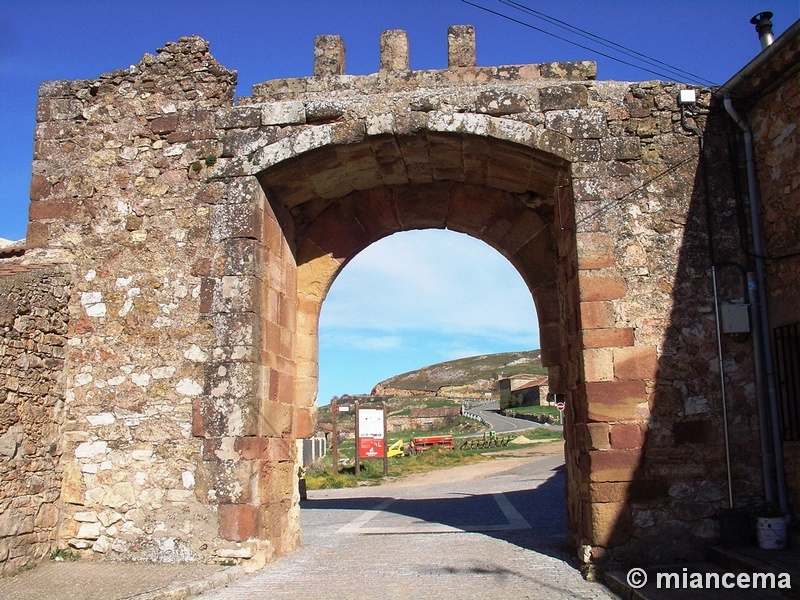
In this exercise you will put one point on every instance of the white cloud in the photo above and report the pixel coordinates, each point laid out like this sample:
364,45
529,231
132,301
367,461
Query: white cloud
415,299
363,341
434,280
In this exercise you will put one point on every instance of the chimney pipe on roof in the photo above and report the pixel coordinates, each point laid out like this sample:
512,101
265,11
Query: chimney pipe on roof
763,24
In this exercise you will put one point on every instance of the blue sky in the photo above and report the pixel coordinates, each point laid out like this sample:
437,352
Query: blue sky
444,308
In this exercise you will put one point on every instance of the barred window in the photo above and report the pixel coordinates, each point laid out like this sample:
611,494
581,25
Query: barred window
787,364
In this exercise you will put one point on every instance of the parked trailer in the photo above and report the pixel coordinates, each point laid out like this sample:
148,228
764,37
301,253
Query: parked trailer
442,441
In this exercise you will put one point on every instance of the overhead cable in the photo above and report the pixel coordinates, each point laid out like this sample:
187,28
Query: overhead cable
597,39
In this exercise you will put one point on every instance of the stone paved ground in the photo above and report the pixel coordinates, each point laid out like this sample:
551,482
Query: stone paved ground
95,580
466,533
490,530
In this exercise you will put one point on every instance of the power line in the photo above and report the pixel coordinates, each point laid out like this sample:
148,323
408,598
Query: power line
607,43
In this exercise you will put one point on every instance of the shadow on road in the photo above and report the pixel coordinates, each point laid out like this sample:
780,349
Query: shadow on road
534,518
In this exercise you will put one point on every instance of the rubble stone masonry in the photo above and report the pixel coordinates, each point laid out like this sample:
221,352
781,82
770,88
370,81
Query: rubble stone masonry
774,121
33,340
203,236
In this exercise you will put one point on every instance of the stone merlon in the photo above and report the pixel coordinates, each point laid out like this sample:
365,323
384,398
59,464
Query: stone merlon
394,75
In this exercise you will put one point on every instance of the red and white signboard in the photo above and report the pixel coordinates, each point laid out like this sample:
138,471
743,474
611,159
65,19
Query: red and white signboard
560,406
371,443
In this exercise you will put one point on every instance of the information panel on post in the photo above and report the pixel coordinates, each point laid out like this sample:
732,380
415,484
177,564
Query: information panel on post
371,442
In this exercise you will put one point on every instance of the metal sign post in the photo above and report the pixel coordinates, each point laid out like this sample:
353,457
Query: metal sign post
335,441
385,441
358,437
561,405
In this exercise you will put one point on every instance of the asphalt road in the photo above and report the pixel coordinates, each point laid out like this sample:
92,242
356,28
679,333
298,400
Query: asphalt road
495,529
501,424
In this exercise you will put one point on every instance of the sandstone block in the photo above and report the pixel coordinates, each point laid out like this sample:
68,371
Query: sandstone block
41,210
614,400
164,125
198,429
556,143
585,151
238,522
239,117
278,481
577,124
605,491
497,103
306,422
40,188
596,436
597,315
225,481
611,523
239,220
636,362
38,234
608,338
595,251
263,448
276,419
612,465
47,517
625,436
598,364
596,288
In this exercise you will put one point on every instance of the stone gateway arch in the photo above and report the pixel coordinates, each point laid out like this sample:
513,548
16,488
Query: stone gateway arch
196,239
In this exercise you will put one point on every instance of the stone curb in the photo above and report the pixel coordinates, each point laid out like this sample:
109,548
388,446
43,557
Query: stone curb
190,589
615,581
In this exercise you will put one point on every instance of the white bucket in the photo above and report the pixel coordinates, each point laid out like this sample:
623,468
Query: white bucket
771,533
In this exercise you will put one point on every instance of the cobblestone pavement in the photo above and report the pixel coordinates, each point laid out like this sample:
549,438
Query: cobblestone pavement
95,580
472,533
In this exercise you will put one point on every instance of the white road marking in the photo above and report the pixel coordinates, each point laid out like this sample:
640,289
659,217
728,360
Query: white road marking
356,524
514,519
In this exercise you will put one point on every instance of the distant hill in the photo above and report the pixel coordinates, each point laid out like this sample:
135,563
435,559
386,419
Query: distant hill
475,372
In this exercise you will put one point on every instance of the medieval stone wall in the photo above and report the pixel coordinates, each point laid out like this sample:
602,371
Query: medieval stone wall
205,236
774,122
33,340
777,148
164,324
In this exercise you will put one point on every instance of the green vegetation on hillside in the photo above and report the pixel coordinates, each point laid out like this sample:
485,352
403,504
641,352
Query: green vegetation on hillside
396,406
469,371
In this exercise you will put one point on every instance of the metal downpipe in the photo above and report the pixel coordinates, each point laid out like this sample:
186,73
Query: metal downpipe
769,364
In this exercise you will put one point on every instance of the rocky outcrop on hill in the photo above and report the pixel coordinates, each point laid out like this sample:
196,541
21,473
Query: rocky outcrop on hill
470,377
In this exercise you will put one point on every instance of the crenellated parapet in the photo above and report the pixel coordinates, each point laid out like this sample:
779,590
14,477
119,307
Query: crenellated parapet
394,75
